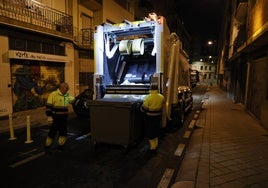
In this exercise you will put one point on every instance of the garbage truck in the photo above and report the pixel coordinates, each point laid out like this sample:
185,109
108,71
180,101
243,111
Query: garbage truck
128,58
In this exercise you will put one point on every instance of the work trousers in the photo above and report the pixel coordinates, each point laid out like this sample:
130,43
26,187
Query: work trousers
152,126
59,125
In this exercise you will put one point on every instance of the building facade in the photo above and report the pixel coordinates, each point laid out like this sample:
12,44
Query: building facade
46,42
207,72
243,57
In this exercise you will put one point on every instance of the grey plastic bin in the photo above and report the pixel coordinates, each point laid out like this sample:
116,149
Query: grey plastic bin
116,122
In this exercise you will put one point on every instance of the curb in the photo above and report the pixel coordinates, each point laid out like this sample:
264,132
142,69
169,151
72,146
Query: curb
187,174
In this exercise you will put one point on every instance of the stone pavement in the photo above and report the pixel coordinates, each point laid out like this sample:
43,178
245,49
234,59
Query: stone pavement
228,148
37,117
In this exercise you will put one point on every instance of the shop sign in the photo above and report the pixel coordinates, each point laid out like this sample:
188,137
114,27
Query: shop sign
16,54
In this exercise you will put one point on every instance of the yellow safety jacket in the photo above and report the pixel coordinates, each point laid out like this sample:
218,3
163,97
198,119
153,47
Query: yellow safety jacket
57,103
153,103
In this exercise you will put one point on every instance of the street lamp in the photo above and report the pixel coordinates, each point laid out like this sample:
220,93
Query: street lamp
210,42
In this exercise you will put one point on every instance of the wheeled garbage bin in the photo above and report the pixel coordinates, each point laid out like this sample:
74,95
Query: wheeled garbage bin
116,121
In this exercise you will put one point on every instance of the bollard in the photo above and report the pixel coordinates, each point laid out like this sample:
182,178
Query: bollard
11,129
28,127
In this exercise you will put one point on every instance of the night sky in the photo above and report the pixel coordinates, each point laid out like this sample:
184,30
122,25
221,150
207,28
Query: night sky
201,17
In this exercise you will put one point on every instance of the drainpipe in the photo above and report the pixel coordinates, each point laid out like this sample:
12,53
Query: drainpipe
247,84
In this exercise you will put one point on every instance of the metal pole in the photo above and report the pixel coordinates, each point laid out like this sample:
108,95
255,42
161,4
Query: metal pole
28,130
11,129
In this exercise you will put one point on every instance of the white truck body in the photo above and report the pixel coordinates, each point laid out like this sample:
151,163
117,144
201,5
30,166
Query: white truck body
130,56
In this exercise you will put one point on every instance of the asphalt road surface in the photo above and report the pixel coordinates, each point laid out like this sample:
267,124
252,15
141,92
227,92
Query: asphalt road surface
84,164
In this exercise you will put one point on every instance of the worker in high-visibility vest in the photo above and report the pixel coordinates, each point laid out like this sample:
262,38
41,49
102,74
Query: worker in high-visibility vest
57,107
152,107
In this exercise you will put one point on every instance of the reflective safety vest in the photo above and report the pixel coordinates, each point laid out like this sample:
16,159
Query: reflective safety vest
153,103
57,103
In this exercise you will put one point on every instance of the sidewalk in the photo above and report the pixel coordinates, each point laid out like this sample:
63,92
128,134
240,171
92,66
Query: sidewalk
228,148
19,120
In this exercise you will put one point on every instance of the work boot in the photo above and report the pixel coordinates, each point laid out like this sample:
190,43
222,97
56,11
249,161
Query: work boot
48,144
61,143
151,144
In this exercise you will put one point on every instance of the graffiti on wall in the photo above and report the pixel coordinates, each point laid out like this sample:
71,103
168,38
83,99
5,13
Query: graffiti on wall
32,82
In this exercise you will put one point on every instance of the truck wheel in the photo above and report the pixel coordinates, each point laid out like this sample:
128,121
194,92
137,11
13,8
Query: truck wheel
182,116
95,144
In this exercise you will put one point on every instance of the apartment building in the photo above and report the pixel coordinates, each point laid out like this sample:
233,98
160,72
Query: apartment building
243,57
45,42
207,72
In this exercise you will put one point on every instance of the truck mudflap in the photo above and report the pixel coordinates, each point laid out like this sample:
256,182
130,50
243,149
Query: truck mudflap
116,121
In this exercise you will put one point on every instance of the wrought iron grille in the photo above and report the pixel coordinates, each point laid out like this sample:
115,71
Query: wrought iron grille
36,13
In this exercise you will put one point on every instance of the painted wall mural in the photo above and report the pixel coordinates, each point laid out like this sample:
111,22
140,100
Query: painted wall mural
32,81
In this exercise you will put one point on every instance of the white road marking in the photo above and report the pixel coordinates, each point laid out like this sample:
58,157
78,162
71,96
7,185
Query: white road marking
187,134
28,152
44,130
27,160
179,150
192,123
165,180
83,136
71,134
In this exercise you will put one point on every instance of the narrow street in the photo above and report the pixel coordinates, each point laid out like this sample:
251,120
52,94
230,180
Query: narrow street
83,164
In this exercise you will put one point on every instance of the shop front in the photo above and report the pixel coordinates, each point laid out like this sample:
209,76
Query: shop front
32,76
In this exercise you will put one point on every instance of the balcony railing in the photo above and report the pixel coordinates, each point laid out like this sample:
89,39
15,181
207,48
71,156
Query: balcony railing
84,37
30,13
87,36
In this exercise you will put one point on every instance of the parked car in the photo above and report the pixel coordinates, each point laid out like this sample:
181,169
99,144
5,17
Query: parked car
186,98
80,104
185,102
183,107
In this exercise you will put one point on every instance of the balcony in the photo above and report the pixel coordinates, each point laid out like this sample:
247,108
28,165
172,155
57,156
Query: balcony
92,4
84,38
32,15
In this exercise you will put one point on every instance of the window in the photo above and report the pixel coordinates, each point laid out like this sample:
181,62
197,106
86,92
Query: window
86,79
201,68
87,31
17,44
48,48
59,50
86,54
86,21
35,46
